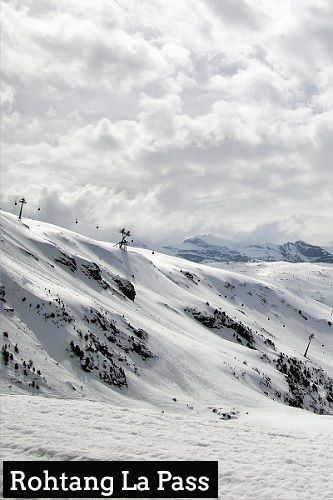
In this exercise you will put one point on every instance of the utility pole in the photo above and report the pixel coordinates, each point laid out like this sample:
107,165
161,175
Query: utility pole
23,202
307,347
124,235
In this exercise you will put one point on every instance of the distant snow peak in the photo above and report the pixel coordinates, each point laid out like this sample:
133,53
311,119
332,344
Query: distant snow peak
208,248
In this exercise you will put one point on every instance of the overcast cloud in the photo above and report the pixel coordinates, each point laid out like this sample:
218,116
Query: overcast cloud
173,118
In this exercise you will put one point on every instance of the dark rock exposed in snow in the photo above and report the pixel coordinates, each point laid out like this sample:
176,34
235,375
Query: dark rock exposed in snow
220,319
93,271
126,287
67,261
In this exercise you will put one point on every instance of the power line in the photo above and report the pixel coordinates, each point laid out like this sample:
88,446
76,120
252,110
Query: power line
56,212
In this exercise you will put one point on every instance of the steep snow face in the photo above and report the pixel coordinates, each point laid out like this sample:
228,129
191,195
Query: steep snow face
83,319
208,248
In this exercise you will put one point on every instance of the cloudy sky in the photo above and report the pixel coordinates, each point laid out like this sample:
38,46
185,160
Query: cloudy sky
173,118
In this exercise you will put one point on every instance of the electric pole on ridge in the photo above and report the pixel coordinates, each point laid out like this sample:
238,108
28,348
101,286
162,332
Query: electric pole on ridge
307,347
23,202
124,235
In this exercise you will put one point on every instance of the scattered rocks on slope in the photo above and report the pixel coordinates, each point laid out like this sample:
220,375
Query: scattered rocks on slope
56,311
107,344
126,287
310,387
220,319
93,271
21,371
225,415
67,261
121,336
108,371
32,255
191,276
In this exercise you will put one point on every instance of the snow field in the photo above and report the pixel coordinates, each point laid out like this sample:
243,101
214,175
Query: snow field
285,456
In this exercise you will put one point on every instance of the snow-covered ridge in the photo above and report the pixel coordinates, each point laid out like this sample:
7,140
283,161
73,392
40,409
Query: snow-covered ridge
83,319
208,248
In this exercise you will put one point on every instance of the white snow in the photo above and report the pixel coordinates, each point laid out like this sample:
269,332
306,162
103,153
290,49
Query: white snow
263,455
177,403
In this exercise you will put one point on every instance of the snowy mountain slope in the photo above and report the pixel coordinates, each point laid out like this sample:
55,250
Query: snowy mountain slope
208,248
83,319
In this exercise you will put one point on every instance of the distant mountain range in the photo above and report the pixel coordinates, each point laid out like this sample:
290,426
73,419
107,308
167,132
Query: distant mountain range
208,248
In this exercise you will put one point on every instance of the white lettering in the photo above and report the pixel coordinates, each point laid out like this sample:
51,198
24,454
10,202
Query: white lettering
75,484
191,483
125,484
177,484
204,483
47,479
107,489
162,479
63,478
88,479
17,480
143,483
37,480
